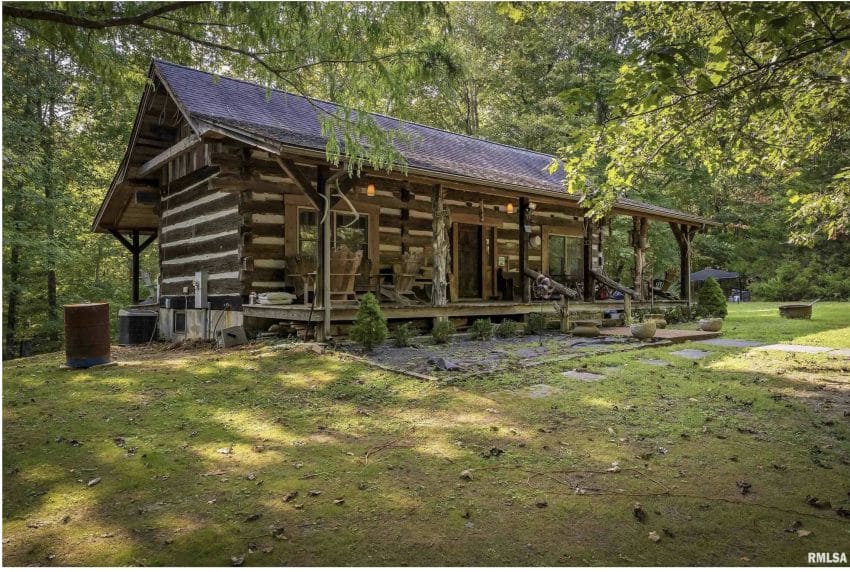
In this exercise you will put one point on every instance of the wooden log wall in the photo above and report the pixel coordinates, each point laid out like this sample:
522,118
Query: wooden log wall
235,225
198,229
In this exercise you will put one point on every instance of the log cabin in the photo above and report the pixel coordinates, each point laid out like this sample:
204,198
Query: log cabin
254,226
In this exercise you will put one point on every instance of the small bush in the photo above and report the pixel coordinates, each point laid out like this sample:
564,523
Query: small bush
507,329
712,301
677,315
404,334
370,325
442,331
535,323
482,330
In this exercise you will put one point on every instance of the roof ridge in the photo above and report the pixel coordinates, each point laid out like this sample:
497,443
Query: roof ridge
320,100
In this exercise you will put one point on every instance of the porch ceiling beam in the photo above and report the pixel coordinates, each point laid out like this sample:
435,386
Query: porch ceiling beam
167,155
301,180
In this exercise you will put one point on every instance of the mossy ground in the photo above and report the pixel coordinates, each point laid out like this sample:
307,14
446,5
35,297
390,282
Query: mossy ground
394,448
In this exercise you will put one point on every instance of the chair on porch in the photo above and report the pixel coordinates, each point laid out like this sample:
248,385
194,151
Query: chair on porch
405,274
301,270
662,287
345,268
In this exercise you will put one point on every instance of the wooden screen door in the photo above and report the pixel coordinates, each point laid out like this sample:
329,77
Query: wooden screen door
469,259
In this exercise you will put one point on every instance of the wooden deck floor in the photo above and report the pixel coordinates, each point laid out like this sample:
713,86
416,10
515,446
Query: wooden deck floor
345,312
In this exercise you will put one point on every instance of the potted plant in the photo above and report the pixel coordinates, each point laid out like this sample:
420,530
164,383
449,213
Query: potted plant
711,306
642,327
659,319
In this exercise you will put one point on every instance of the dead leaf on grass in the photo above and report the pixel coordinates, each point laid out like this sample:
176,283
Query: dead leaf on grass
93,482
803,533
237,560
466,475
653,536
290,496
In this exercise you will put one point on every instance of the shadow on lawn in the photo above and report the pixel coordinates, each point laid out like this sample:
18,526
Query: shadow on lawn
393,450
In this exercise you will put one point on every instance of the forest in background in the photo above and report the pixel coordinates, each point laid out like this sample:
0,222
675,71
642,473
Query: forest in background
739,112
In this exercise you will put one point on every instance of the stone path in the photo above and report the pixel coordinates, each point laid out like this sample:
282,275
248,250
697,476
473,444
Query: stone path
691,354
841,353
656,362
732,343
541,390
583,375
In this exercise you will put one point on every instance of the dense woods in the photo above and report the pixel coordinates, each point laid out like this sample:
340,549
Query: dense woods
739,112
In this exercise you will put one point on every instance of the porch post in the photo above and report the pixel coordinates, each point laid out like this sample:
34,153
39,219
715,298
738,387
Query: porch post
587,260
135,253
639,229
523,249
684,234
440,246
136,250
325,191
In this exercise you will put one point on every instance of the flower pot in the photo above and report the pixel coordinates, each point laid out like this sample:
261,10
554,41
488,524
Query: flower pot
711,324
659,320
643,331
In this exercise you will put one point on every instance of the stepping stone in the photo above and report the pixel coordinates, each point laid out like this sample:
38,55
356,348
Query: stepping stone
690,354
583,375
656,362
541,390
842,353
731,343
528,353
792,348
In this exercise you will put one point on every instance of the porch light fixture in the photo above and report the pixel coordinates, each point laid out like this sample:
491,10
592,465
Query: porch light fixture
510,208
370,190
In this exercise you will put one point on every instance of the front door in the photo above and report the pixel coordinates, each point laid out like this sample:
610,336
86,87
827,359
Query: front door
469,261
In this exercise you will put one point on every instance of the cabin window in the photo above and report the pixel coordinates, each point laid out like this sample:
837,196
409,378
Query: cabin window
308,233
346,232
565,257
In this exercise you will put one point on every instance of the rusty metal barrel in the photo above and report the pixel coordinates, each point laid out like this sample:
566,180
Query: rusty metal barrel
87,335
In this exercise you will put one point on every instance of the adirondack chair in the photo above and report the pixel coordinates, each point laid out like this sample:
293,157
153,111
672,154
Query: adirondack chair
405,274
345,267
662,287
301,271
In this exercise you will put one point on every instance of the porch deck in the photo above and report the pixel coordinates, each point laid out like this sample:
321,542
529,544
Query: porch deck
345,312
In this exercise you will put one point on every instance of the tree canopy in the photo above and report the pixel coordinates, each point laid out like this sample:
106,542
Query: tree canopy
737,111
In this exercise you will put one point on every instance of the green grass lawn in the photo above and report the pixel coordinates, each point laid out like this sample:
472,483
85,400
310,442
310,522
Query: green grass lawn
197,450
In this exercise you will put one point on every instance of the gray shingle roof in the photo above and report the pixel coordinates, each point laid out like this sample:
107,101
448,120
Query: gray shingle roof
292,120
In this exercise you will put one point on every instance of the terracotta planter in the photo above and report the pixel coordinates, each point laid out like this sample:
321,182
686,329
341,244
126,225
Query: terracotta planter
711,324
643,331
586,328
659,320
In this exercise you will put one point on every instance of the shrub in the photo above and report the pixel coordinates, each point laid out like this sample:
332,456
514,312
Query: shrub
370,325
442,331
482,330
507,329
712,301
535,323
403,335
677,315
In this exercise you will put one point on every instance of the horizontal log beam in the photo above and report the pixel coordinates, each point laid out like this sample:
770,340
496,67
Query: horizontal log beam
167,155
599,277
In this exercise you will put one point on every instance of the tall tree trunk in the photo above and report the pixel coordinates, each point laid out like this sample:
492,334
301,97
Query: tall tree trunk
12,285
48,125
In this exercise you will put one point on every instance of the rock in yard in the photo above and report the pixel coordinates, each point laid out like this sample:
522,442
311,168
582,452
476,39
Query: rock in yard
466,475
237,560
444,364
639,513
290,496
